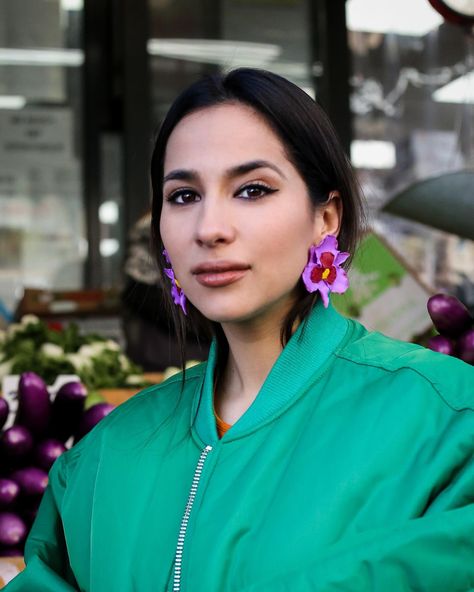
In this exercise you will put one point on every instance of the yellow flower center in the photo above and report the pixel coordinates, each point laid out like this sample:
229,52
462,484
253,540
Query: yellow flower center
325,274
179,286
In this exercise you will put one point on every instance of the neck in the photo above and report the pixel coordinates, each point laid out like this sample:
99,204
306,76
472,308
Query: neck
254,347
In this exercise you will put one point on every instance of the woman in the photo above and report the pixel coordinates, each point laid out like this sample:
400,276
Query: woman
307,454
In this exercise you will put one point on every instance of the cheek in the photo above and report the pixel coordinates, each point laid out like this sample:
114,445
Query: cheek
284,247
163,227
173,231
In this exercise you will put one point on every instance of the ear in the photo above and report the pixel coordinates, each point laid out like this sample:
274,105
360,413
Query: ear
328,217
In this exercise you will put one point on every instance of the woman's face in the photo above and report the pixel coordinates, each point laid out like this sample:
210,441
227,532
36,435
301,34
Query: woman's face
236,220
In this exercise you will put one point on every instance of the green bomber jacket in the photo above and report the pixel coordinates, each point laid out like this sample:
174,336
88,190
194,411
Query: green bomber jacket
353,470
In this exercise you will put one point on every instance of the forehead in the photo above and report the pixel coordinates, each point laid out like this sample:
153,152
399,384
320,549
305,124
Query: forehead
223,135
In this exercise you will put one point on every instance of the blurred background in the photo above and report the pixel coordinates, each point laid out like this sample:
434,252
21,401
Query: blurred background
85,83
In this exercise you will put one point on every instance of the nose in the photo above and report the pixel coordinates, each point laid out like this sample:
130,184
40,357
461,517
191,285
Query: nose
214,224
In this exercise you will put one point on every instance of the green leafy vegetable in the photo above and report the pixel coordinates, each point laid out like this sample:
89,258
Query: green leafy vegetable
31,346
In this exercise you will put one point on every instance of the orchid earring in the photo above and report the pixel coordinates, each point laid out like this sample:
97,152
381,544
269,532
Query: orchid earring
176,291
323,272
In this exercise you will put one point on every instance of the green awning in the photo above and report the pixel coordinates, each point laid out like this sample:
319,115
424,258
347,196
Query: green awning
445,202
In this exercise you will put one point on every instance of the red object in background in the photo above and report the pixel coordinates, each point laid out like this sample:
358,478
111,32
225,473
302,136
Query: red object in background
451,14
55,326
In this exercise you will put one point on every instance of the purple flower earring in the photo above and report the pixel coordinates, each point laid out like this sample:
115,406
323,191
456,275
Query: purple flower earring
176,291
323,271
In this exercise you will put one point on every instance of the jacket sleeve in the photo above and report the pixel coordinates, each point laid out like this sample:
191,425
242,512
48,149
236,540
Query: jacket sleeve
433,552
47,566
429,554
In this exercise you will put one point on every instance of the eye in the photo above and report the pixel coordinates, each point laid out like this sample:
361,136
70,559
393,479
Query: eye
183,197
255,191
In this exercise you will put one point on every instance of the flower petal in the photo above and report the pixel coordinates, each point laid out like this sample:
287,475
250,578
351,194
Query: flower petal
182,302
327,259
332,275
341,257
317,274
306,276
324,291
328,244
166,256
313,256
341,283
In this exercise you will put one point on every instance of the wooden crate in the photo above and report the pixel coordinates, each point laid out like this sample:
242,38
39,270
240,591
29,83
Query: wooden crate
119,395
9,568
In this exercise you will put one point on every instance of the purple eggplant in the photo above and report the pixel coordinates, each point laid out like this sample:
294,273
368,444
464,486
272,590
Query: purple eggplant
29,514
13,529
15,443
9,491
441,344
91,418
67,410
11,552
449,315
32,481
47,452
465,346
4,411
34,405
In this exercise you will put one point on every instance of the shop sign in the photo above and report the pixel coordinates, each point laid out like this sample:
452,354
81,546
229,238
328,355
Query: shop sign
30,136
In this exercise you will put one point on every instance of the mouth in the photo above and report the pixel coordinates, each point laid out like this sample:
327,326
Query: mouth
218,274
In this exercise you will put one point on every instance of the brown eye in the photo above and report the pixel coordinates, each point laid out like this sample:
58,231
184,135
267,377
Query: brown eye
255,191
183,197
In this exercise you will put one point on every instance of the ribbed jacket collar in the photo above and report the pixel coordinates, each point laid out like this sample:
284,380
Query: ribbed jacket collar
300,361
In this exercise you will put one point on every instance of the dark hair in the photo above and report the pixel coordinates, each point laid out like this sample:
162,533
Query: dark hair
311,145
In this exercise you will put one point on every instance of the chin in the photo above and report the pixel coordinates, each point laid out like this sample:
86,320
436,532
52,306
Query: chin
228,315
242,311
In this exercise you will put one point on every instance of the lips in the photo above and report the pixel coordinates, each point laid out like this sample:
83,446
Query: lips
219,273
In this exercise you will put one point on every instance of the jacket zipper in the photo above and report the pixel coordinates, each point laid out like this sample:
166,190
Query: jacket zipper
178,557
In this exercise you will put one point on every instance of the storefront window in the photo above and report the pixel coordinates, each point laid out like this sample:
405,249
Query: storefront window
190,37
42,231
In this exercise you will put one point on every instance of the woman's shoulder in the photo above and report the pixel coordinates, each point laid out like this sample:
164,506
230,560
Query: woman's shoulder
451,378
158,400
139,417
163,395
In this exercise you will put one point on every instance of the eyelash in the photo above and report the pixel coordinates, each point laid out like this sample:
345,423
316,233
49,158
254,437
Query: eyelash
172,197
266,189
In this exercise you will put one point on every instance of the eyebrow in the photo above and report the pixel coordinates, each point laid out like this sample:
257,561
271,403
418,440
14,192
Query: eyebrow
237,171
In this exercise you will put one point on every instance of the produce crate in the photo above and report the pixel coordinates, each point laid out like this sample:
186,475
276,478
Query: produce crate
119,395
68,302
